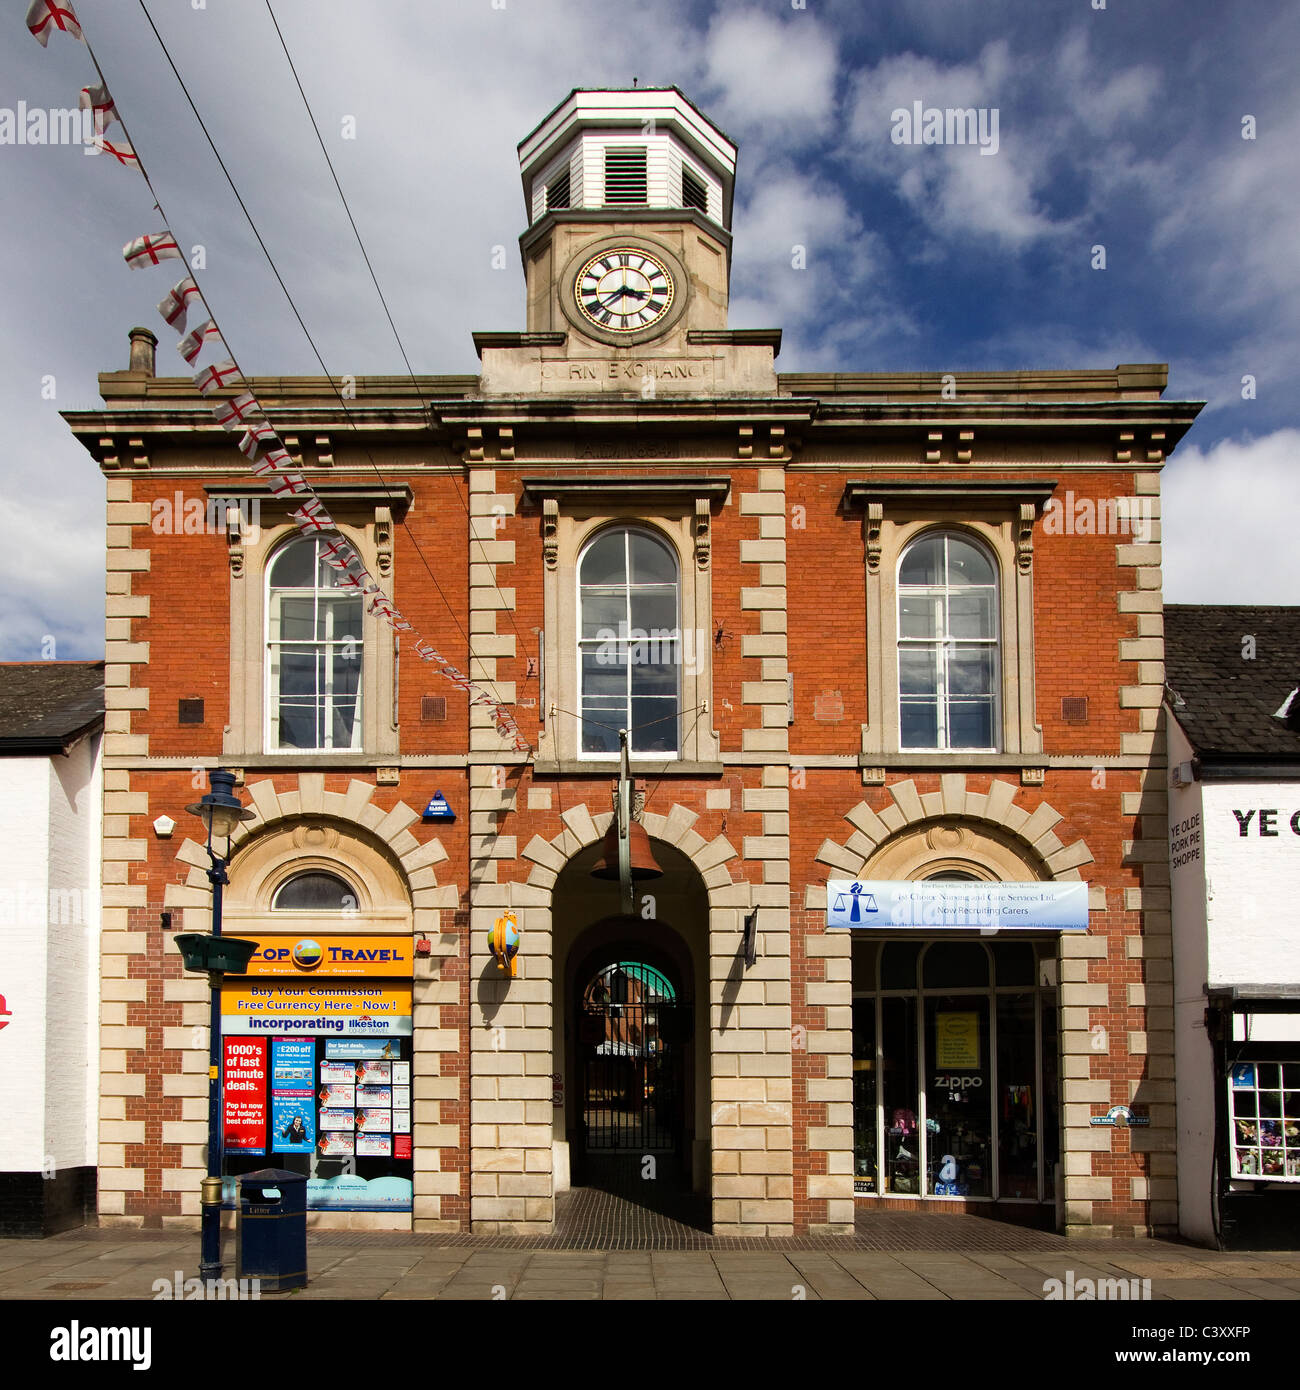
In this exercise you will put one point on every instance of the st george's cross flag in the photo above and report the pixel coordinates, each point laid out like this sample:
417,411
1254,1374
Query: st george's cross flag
150,249
191,344
292,485
238,413
257,437
276,461
120,149
220,374
97,101
312,517
45,16
177,304
339,555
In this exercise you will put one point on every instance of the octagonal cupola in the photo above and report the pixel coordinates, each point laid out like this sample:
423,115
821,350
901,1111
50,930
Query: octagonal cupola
642,149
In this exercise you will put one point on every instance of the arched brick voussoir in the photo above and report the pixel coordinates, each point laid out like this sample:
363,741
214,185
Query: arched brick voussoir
586,828
1036,829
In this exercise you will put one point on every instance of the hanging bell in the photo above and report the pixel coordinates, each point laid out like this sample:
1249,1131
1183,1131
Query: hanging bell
643,860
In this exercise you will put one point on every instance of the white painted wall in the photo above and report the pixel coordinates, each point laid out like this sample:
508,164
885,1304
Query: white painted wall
49,868
1253,882
1193,1055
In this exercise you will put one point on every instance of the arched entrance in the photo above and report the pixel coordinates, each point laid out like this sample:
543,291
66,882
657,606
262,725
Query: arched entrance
633,1031
631,1005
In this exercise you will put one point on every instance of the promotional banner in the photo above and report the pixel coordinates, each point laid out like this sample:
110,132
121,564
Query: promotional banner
293,1108
316,1008
927,904
350,956
244,1095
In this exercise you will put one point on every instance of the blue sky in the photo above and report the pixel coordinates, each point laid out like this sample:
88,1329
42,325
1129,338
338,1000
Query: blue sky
1118,127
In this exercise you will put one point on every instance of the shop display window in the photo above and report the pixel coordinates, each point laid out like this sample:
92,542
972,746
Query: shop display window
1264,1106
960,1096
337,1110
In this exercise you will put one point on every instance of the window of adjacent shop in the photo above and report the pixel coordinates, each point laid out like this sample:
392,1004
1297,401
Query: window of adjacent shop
1264,1120
955,1068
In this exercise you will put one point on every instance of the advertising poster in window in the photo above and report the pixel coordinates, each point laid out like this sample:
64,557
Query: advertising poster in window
957,1040
244,1087
293,1111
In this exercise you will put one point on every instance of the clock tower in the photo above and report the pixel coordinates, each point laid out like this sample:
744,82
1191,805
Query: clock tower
627,256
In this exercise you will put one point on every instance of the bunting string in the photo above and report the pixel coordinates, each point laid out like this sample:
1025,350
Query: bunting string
242,413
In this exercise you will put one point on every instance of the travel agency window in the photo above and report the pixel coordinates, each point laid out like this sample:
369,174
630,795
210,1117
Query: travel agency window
317,1036
949,584
310,671
627,636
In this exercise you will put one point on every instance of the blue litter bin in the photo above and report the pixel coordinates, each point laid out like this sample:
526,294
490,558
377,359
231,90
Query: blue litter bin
271,1240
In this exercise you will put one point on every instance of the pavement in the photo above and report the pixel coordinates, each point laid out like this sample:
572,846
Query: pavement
940,1258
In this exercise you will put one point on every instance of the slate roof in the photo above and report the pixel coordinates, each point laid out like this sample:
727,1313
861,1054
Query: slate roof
46,705
1228,702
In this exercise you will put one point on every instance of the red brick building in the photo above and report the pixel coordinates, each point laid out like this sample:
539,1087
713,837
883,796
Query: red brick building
865,629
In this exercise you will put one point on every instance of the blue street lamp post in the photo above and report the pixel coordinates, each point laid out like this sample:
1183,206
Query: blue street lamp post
220,810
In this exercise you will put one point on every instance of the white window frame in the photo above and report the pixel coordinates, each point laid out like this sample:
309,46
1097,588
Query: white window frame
945,644
626,529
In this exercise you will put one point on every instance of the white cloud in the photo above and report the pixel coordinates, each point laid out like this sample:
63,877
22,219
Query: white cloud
774,80
1229,518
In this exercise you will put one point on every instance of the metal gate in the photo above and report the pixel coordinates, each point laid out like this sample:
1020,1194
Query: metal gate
633,1045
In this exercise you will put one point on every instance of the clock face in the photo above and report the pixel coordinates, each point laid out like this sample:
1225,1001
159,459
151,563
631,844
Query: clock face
623,290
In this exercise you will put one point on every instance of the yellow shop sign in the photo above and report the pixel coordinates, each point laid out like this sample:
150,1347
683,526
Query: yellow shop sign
333,956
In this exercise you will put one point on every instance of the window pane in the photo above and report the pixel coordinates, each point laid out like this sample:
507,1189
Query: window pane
604,613
343,725
970,670
604,560
655,677
651,562
295,668
340,619
600,725
604,674
654,725
314,892
918,614
970,614
920,723
346,672
294,565
970,723
967,564
298,724
918,670
654,608
923,562
297,617
898,966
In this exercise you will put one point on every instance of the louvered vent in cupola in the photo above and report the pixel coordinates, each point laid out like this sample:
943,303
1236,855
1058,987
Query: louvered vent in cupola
694,192
625,174
559,191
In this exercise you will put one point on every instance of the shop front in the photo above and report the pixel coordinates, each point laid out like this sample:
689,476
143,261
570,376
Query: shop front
956,1080
316,1069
